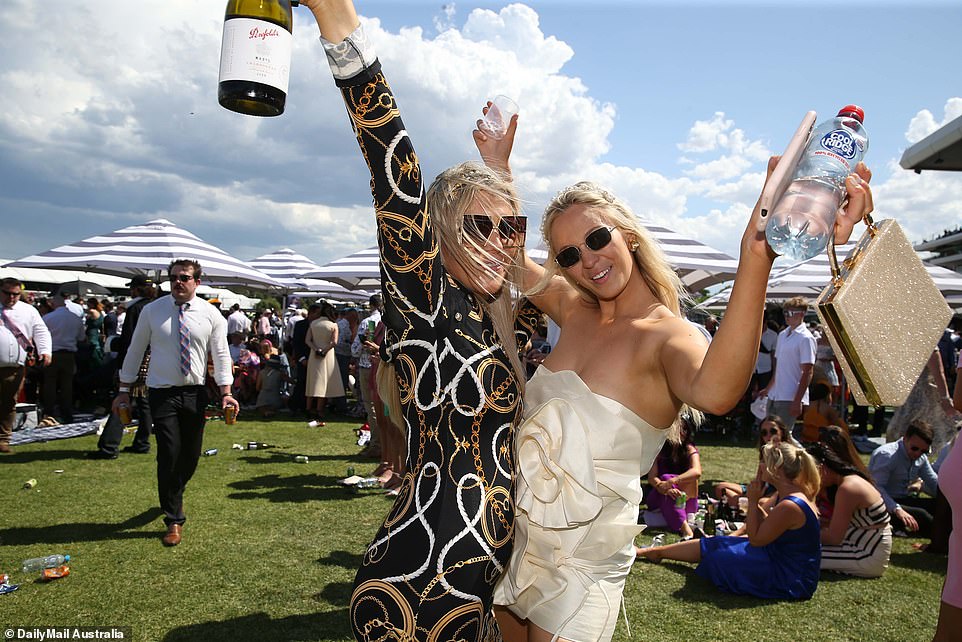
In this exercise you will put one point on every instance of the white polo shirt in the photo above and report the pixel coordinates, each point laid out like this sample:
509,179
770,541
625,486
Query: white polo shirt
793,348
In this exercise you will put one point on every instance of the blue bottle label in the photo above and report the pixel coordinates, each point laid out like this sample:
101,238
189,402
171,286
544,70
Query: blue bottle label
840,142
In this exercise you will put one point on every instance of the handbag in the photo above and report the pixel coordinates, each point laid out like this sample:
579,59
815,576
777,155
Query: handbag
883,314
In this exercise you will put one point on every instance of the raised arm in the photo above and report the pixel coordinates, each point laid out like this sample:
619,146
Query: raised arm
335,18
558,297
714,380
411,271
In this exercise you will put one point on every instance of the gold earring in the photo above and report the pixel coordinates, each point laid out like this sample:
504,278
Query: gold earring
634,246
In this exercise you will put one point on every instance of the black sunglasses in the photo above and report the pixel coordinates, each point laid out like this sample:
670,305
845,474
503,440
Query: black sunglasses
768,433
511,229
9,293
183,278
595,240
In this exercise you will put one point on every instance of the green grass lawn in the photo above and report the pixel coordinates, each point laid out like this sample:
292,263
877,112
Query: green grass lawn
270,548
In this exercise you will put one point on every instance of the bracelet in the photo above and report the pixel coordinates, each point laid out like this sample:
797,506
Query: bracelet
123,389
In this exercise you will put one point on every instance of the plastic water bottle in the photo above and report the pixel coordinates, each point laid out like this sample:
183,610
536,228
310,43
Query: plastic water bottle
36,564
804,217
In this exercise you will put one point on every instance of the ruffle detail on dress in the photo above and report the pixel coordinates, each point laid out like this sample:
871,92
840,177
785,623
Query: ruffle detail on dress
557,488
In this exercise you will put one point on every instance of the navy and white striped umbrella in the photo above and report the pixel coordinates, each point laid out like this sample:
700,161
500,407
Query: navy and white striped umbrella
360,270
285,265
147,249
289,267
810,277
698,265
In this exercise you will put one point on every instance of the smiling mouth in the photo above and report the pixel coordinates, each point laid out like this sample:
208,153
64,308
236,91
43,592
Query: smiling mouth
601,274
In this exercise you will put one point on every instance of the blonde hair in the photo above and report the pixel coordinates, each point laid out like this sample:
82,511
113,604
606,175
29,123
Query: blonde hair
451,196
655,269
661,279
793,463
797,303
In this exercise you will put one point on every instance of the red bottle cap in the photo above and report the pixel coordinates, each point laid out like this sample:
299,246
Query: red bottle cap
853,111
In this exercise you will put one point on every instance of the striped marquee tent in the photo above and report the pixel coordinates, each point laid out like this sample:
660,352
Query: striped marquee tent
810,277
698,264
360,270
148,249
285,265
288,267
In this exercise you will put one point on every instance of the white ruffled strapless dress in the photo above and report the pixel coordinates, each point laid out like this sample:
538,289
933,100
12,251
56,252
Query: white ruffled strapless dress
580,459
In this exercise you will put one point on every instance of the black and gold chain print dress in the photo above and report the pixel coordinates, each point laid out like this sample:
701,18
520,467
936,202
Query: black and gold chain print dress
430,572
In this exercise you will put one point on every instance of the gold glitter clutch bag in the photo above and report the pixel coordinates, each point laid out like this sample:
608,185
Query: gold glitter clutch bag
883,313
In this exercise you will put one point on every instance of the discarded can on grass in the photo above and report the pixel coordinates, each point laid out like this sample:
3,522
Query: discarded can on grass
210,452
30,483
4,578
252,445
300,459
8,588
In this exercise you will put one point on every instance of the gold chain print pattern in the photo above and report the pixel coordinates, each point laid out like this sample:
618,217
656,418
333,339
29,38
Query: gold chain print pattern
430,572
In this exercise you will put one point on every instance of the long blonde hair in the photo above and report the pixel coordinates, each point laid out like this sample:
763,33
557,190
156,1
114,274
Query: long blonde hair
793,463
655,269
661,279
449,198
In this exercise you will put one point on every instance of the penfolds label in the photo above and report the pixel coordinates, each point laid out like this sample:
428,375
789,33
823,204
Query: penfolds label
256,51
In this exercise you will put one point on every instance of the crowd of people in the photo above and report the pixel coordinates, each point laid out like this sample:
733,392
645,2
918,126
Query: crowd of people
510,428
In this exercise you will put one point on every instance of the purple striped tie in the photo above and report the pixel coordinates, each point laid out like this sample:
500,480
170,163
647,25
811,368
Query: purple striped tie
184,341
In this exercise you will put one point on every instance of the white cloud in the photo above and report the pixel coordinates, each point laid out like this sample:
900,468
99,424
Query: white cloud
924,122
113,124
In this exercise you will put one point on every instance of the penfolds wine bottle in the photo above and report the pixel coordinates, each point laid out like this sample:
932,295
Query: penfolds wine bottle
255,56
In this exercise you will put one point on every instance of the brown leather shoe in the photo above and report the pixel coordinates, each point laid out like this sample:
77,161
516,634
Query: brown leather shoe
5,448
172,538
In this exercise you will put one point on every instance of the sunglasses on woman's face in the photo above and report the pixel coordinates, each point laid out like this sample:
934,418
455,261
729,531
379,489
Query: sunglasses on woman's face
511,229
595,240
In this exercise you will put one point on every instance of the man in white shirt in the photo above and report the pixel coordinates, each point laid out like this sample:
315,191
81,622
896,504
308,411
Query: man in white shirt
66,333
237,321
181,330
794,364
25,324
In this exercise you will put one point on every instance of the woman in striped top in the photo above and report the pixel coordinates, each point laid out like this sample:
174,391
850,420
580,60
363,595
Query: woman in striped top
858,539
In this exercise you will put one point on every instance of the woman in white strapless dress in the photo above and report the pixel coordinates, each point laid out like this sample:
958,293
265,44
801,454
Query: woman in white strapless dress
599,408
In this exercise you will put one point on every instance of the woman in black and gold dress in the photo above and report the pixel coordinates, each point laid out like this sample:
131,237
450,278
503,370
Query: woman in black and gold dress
430,572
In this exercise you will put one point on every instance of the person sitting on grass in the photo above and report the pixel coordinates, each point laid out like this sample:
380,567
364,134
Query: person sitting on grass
820,413
674,474
780,557
772,430
857,540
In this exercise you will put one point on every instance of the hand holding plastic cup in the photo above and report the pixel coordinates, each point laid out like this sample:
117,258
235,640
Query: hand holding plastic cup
498,117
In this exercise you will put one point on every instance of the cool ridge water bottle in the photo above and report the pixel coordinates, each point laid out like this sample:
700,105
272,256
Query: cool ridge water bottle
804,217
255,56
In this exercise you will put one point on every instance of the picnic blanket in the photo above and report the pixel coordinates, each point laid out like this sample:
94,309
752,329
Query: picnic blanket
50,433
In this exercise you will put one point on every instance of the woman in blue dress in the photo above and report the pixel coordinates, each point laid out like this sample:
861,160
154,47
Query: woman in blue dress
780,557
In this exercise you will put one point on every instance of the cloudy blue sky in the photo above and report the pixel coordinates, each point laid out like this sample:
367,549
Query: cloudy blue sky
110,115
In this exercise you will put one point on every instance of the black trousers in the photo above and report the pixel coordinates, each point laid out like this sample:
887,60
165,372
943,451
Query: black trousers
113,432
178,415
921,508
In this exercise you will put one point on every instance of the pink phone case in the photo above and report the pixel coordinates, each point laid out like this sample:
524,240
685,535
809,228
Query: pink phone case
782,175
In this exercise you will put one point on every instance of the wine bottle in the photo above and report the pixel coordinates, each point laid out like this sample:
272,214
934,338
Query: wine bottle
255,56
